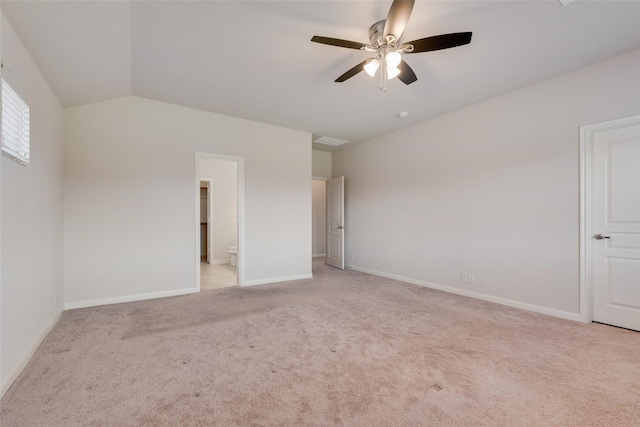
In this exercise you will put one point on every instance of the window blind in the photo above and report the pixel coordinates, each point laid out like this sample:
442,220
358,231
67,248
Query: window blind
15,125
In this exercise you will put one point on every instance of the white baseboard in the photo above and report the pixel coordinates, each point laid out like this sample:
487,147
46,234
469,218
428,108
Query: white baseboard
498,300
276,280
129,298
26,357
220,261
318,255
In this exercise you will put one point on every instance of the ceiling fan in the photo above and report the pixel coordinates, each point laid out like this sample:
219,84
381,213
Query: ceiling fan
385,39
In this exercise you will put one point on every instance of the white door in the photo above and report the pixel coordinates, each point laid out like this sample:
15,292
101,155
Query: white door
615,223
335,222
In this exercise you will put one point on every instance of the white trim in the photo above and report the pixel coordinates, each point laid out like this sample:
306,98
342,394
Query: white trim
318,255
586,187
240,256
276,280
503,301
220,261
128,298
26,357
319,178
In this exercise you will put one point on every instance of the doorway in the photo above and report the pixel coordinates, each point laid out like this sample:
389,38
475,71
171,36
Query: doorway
319,218
205,219
318,222
220,221
335,222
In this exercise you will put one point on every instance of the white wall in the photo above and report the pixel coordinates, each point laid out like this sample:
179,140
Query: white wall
321,168
319,217
224,204
130,198
321,164
491,190
31,227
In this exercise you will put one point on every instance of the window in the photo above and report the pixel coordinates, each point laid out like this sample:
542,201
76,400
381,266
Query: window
15,125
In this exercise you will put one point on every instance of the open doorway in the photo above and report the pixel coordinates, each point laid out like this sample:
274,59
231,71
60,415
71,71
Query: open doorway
318,221
205,220
219,212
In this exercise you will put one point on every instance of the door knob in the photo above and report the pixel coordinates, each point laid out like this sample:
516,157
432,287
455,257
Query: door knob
600,236
340,227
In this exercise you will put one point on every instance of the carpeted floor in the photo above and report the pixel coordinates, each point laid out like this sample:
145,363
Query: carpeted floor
344,348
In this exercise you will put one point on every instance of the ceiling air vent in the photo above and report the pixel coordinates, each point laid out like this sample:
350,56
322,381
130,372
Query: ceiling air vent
327,140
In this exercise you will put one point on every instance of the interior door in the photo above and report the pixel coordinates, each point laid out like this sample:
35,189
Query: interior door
615,225
335,222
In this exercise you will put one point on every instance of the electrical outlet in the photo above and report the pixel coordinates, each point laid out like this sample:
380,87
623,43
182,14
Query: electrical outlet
351,257
467,278
55,297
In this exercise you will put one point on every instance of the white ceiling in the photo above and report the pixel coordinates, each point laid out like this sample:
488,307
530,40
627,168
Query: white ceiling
254,59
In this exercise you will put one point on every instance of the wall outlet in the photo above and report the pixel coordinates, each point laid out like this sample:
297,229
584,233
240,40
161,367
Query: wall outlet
467,278
351,257
55,297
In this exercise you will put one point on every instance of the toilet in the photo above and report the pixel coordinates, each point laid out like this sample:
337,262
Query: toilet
233,253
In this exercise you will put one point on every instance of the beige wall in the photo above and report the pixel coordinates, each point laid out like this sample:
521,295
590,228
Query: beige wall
130,198
490,190
321,168
321,164
31,231
319,217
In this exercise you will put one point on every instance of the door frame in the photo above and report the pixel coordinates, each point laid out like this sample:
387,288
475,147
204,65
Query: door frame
587,134
240,265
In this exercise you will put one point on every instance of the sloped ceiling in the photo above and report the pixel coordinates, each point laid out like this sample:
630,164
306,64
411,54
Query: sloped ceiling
254,59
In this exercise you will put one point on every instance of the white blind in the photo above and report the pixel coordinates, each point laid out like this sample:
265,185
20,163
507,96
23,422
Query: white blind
15,125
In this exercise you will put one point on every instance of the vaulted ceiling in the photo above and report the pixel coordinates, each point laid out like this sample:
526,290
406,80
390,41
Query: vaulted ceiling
254,59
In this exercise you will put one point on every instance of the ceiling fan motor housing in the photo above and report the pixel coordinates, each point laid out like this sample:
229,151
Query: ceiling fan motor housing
376,34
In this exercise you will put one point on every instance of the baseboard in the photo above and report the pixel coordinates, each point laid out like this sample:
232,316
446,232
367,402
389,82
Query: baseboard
26,357
276,280
220,261
318,255
498,300
129,298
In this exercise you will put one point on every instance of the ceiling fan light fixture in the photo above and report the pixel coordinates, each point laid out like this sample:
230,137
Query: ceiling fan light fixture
372,66
393,59
392,72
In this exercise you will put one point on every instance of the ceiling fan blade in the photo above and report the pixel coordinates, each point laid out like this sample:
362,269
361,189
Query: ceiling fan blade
352,72
407,76
337,42
398,17
443,41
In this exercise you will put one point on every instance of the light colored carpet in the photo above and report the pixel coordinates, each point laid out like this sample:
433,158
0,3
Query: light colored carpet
344,348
